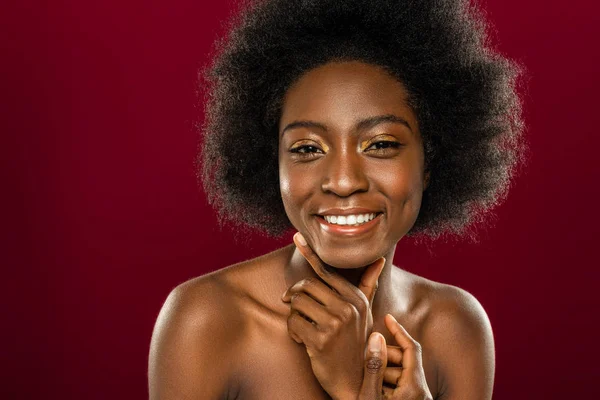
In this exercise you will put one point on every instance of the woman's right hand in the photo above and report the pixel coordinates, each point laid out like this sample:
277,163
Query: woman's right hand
340,321
409,378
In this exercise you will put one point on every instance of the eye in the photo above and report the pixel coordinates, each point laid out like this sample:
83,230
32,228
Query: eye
384,145
306,150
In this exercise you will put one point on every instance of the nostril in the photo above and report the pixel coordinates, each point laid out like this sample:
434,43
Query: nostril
345,187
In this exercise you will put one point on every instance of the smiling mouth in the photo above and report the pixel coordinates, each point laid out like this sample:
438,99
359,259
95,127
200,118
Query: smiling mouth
350,226
349,220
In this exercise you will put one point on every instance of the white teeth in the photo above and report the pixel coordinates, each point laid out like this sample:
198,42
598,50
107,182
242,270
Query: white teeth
354,220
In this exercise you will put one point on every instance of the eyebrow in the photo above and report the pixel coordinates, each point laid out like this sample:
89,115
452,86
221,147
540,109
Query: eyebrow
363,124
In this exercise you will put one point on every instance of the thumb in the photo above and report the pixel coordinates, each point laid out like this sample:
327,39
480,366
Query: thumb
375,363
368,280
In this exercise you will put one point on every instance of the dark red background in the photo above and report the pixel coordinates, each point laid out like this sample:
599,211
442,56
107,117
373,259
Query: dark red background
102,216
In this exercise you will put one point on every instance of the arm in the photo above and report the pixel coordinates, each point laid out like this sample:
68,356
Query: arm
191,344
460,336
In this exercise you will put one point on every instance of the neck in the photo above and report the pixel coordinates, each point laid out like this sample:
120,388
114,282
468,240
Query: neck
298,268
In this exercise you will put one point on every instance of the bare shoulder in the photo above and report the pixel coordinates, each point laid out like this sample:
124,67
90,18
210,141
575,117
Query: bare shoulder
200,329
193,342
458,334
456,309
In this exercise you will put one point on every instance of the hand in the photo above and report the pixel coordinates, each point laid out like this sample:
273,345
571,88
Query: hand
409,378
333,322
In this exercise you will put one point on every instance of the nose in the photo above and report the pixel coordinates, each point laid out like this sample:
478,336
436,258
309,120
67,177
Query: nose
344,174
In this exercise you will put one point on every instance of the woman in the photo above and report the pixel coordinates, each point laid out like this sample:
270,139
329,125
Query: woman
354,123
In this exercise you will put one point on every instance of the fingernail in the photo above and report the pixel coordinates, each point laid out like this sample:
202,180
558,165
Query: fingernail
300,239
375,344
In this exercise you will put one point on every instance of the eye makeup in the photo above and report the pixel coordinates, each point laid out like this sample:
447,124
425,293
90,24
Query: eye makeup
392,140
309,143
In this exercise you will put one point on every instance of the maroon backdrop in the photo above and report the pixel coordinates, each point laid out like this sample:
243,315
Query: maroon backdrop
102,216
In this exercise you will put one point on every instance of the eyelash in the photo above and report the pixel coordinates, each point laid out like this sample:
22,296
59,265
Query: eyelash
305,150
302,150
388,143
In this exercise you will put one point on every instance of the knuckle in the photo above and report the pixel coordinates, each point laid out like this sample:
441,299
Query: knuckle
363,306
300,285
417,346
320,343
307,282
348,312
374,364
335,324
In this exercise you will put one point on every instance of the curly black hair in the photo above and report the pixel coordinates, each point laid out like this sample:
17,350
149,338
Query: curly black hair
463,92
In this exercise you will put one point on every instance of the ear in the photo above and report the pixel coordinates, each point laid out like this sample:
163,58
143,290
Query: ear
426,177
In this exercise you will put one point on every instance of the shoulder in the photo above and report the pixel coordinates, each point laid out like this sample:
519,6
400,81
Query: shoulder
201,330
456,309
199,302
217,296
436,304
194,340
458,332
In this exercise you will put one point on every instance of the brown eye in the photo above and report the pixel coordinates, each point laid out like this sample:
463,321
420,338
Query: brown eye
383,145
306,149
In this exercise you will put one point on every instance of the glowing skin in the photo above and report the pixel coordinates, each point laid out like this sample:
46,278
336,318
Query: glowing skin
349,145
348,139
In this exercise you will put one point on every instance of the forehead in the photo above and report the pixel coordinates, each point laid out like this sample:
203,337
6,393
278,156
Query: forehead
341,93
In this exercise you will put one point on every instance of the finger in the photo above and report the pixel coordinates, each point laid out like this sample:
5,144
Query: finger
320,303
411,349
375,363
341,285
392,375
301,330
394,355
368,281
316,289
310,308
388,393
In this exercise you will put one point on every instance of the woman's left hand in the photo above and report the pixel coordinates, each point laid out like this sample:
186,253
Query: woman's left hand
341,322
408,377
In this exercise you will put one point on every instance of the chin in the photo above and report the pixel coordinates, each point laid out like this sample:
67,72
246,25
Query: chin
349,259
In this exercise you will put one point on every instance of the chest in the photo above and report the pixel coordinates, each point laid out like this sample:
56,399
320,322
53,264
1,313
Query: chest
274,366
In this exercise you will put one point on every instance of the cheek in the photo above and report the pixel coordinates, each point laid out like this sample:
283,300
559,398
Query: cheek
295,188
404,187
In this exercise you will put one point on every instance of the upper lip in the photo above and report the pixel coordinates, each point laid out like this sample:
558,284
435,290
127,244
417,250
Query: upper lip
346,211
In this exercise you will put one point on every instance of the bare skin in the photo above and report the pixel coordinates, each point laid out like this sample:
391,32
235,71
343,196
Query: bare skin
348,139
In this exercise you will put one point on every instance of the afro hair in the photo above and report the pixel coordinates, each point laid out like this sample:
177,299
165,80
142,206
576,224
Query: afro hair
463,92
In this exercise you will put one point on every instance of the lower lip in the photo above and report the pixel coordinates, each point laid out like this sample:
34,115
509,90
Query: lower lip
348,230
